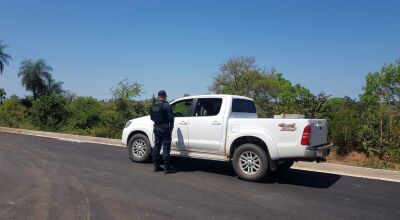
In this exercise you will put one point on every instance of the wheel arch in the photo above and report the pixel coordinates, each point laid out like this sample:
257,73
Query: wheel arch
252,136
138,132
245,140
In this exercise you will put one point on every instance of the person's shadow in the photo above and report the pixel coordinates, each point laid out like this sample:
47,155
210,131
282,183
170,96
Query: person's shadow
291,176
180,143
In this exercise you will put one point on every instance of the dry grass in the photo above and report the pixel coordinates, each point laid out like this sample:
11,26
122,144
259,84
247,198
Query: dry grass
362,160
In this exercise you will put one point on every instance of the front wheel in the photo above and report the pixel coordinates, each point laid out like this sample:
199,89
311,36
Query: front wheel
250,162
139,148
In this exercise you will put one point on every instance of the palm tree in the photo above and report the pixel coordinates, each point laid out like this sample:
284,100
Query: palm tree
36,77
54,86
4,58
2,95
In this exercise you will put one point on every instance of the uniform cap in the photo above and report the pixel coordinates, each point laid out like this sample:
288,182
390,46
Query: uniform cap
162,93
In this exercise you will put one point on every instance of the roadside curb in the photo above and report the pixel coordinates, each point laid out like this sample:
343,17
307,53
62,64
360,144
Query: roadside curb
346,170
339,169
65,137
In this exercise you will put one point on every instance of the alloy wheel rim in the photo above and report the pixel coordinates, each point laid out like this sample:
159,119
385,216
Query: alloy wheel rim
249,162
139,148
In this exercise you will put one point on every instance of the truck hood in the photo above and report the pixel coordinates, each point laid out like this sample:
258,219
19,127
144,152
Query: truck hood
142,120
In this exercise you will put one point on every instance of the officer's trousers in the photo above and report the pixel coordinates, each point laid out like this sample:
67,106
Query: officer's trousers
162,138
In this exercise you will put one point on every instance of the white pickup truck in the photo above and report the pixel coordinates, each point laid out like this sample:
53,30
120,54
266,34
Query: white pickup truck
226,128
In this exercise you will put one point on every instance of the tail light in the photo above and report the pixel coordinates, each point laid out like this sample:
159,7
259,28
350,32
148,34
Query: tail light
305,138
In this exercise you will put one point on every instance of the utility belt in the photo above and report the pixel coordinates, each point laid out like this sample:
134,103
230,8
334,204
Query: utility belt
162,125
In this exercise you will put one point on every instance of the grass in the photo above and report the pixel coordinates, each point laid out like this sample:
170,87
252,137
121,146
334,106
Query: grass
362,160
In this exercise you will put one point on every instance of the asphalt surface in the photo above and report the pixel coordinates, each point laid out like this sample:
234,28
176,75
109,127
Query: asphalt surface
42,178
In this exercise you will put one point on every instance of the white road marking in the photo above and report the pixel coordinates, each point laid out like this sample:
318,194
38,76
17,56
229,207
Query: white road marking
69,140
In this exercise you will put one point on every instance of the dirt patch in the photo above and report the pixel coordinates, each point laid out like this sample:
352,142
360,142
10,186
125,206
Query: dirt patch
362,160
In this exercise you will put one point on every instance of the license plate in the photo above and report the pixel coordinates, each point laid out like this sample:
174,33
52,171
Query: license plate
322,153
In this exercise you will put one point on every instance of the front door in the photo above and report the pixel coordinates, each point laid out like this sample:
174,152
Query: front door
206,125
182,110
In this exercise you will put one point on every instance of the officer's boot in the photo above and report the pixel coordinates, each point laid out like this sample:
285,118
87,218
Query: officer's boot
157,166
167,168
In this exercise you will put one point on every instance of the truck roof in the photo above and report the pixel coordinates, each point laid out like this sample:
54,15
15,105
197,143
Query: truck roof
213,96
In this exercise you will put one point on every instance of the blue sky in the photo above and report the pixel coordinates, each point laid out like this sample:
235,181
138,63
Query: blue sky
325,45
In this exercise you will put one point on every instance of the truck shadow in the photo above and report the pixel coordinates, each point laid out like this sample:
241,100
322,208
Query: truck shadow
290,177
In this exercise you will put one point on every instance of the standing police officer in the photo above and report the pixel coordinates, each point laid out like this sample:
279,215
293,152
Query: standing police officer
163,118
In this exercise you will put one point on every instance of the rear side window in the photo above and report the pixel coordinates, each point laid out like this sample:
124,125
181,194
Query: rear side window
208,106
243,106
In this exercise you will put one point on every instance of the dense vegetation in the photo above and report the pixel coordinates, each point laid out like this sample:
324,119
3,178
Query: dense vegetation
62,112
370,124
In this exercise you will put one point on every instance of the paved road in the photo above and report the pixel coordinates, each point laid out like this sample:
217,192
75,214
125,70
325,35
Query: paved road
43,178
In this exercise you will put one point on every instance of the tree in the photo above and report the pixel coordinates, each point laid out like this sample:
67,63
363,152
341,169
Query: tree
14,96
263,88
126,90
2,95
4,57
272,93
228,79
381,110
123,105
383,86
53,86
69,95
36,77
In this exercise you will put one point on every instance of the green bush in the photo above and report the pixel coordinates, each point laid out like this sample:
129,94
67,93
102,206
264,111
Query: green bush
395,154
49,112
344,123
12,114
111,122
84,113
116,113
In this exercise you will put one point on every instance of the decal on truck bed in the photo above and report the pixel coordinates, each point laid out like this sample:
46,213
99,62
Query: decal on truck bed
288,127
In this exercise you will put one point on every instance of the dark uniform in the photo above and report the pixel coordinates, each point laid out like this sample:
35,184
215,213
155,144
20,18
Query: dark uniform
163,118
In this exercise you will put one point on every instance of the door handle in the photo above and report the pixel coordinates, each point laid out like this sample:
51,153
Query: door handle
183,123
216,123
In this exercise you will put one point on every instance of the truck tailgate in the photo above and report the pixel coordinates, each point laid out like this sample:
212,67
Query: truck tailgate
319,132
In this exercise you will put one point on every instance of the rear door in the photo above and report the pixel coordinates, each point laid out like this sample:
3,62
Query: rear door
206,125
319,132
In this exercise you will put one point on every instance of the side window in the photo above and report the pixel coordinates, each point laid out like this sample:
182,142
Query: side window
208,106
182,108
243,106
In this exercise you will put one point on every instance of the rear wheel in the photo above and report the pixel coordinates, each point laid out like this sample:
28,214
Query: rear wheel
139,148
250,162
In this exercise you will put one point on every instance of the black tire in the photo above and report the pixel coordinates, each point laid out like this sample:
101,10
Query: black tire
284,165
142,156
251,149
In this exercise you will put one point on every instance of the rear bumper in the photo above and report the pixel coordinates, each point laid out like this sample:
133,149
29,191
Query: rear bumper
318,152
